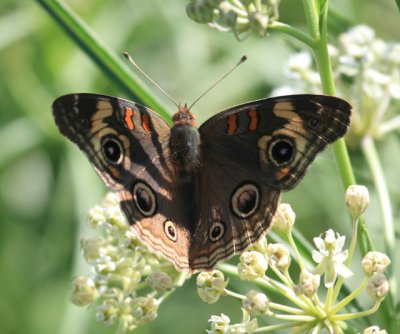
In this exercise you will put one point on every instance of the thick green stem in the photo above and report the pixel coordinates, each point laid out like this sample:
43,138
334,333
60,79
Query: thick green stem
312,18
322,59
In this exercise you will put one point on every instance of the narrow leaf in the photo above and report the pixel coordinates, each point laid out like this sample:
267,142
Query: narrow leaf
114,66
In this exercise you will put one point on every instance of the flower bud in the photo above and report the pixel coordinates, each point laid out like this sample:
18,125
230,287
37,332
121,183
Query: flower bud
378,286
308,283
375,262
96,216
256,303
211,285
252,265
219,324
278,256
357,200
284,218
107,313
199,12
144,309
228,16
92,248
160,281
374,330
259,23
83,291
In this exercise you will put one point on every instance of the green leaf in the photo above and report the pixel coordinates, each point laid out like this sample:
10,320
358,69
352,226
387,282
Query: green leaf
107,60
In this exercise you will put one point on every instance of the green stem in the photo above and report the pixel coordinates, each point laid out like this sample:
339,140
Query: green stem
282,277
349,298
372,158
292,317
349,316
234,294
287,309
284,291
329,299
269,284
274,328
295,33
312,18
304,328
107,60
296,251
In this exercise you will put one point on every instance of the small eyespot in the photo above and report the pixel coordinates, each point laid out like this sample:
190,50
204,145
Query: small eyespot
144,198
245,200
170,230
216,231
313,122
281,151
112,150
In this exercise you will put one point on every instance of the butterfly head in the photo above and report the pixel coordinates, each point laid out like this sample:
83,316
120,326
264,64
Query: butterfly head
184,116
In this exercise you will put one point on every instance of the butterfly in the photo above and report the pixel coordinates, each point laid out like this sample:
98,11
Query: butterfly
200,195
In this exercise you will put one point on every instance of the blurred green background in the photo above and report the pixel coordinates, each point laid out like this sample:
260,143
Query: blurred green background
47,185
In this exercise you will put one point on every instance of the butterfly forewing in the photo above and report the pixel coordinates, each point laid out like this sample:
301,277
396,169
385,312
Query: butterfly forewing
128,146
278,138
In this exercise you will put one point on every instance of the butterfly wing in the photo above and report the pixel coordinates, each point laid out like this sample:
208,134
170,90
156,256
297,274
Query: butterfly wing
128,146
250,153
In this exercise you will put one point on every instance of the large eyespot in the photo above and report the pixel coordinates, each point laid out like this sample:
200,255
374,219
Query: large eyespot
245,200
281,151
170,230
216,231
144,198
112,150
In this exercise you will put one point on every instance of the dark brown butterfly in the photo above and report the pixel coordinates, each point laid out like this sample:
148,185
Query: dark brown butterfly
200,195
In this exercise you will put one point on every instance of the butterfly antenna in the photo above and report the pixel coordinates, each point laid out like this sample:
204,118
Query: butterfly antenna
241,61
127,56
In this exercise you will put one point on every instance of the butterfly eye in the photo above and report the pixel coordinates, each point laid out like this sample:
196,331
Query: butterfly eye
144,198
216,231
245,200
112,150
281,151
170,230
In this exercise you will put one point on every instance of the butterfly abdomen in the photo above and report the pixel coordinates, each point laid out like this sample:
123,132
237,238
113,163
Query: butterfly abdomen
184,146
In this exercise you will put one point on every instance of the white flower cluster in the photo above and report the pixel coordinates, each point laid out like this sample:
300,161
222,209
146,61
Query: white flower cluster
367,74
128,282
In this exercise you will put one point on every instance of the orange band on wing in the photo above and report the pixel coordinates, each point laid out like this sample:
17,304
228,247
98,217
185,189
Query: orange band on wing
146,123
128,118
253,119
232,124
282,173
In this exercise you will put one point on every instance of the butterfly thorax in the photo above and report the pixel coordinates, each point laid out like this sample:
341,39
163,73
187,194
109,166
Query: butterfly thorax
184,144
